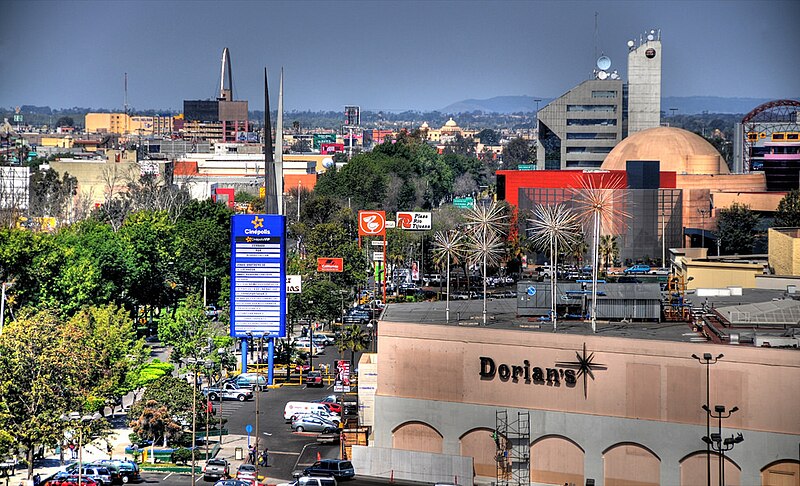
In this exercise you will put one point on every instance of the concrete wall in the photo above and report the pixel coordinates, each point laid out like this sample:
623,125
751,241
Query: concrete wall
647,394
644,87
784,251
412,466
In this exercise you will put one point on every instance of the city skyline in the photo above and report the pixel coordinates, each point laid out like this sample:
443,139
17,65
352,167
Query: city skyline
381,56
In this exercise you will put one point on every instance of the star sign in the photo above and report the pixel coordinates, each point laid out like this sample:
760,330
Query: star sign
248,239
584,365
257,222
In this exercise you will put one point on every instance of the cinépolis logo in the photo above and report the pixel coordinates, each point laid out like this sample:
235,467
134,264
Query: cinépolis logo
567,372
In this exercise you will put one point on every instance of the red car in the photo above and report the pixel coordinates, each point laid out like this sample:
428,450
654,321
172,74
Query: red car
71,481
314,378
334,408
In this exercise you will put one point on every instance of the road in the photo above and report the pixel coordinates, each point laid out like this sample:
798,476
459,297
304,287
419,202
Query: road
167,479
288,451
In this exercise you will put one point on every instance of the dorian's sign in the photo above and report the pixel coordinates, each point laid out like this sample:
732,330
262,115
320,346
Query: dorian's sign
567,372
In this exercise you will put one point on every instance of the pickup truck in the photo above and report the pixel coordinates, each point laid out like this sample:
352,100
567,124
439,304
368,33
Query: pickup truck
228,391
216,469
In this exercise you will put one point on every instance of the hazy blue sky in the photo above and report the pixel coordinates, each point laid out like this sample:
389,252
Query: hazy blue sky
380,54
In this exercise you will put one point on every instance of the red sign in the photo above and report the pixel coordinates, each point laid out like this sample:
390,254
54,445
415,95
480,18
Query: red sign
330,265
371,223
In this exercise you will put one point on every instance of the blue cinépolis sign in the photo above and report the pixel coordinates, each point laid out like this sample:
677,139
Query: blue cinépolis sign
258,275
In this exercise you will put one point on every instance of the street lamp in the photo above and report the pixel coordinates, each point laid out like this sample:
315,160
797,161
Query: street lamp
370,330
81,420
703,213
708,360
716,442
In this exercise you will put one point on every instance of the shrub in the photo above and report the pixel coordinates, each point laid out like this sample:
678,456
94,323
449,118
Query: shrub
181,456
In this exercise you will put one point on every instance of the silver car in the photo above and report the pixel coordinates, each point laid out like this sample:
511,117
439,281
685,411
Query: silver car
313,423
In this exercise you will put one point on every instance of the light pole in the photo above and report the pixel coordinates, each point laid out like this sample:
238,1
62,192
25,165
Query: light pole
716,442
81,420
5,286
708,360
370,330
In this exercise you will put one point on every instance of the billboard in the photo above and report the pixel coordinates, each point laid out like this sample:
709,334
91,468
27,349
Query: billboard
413,221
294,284
258,275
352,116
371,223
330,264
342,382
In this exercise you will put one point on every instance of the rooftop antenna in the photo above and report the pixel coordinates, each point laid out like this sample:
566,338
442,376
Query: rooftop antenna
126,103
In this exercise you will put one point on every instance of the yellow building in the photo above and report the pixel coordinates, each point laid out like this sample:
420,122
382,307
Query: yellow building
122,124
784,251
702,272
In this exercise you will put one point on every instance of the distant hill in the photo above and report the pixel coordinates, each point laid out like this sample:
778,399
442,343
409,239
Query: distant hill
686,105
498,104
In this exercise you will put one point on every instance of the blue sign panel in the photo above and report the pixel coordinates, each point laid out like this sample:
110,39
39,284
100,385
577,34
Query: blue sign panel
258,275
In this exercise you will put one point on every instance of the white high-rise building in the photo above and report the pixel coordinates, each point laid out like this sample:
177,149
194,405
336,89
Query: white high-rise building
644,82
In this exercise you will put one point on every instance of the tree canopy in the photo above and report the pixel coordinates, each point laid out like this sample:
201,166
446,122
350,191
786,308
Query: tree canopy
736,228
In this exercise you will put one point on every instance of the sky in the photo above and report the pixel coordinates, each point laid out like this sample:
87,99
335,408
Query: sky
381,55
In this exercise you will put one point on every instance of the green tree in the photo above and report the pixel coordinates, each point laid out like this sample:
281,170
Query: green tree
155,423
736,227
487,136
65,121
788,213
189,331
353,339
43,376
608,249
518,151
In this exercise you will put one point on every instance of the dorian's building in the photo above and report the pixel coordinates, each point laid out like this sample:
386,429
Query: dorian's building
620,407
578,129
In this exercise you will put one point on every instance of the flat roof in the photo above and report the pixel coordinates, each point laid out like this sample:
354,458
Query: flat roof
502,314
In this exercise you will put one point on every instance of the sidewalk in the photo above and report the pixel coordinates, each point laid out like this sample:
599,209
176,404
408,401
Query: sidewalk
227,451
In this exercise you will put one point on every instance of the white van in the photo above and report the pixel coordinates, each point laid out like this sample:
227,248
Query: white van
296,408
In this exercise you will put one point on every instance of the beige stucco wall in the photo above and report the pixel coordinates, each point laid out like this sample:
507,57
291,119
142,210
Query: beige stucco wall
784,251
644,379
712,274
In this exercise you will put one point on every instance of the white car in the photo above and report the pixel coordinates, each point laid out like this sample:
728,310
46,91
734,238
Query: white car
331,417
311,481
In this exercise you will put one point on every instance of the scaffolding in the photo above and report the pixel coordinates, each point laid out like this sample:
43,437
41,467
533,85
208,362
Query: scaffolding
512,439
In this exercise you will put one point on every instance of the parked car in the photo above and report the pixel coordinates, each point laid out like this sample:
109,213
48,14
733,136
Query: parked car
325,414
70,480
314,378
357,317
312,423
637,269
228,391
128,470
338,468
113,471
246,471
251,381
312,481
233,482
99,474
216,469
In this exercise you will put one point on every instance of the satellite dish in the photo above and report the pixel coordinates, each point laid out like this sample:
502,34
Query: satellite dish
614,75
650,37
603,63
631,44
327,162
602,75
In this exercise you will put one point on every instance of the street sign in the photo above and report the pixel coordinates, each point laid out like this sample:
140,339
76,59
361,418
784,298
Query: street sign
294,284
463,202
371,223
377,243
248,428
526,167
258,275
531,290
377,256
413,221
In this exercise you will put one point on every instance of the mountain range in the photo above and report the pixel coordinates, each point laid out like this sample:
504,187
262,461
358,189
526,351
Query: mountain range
684,105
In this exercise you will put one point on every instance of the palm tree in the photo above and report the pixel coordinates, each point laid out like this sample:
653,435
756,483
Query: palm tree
354,339
608,249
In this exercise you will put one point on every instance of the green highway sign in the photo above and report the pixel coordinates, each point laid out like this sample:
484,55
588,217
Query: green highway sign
526,167
464,202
